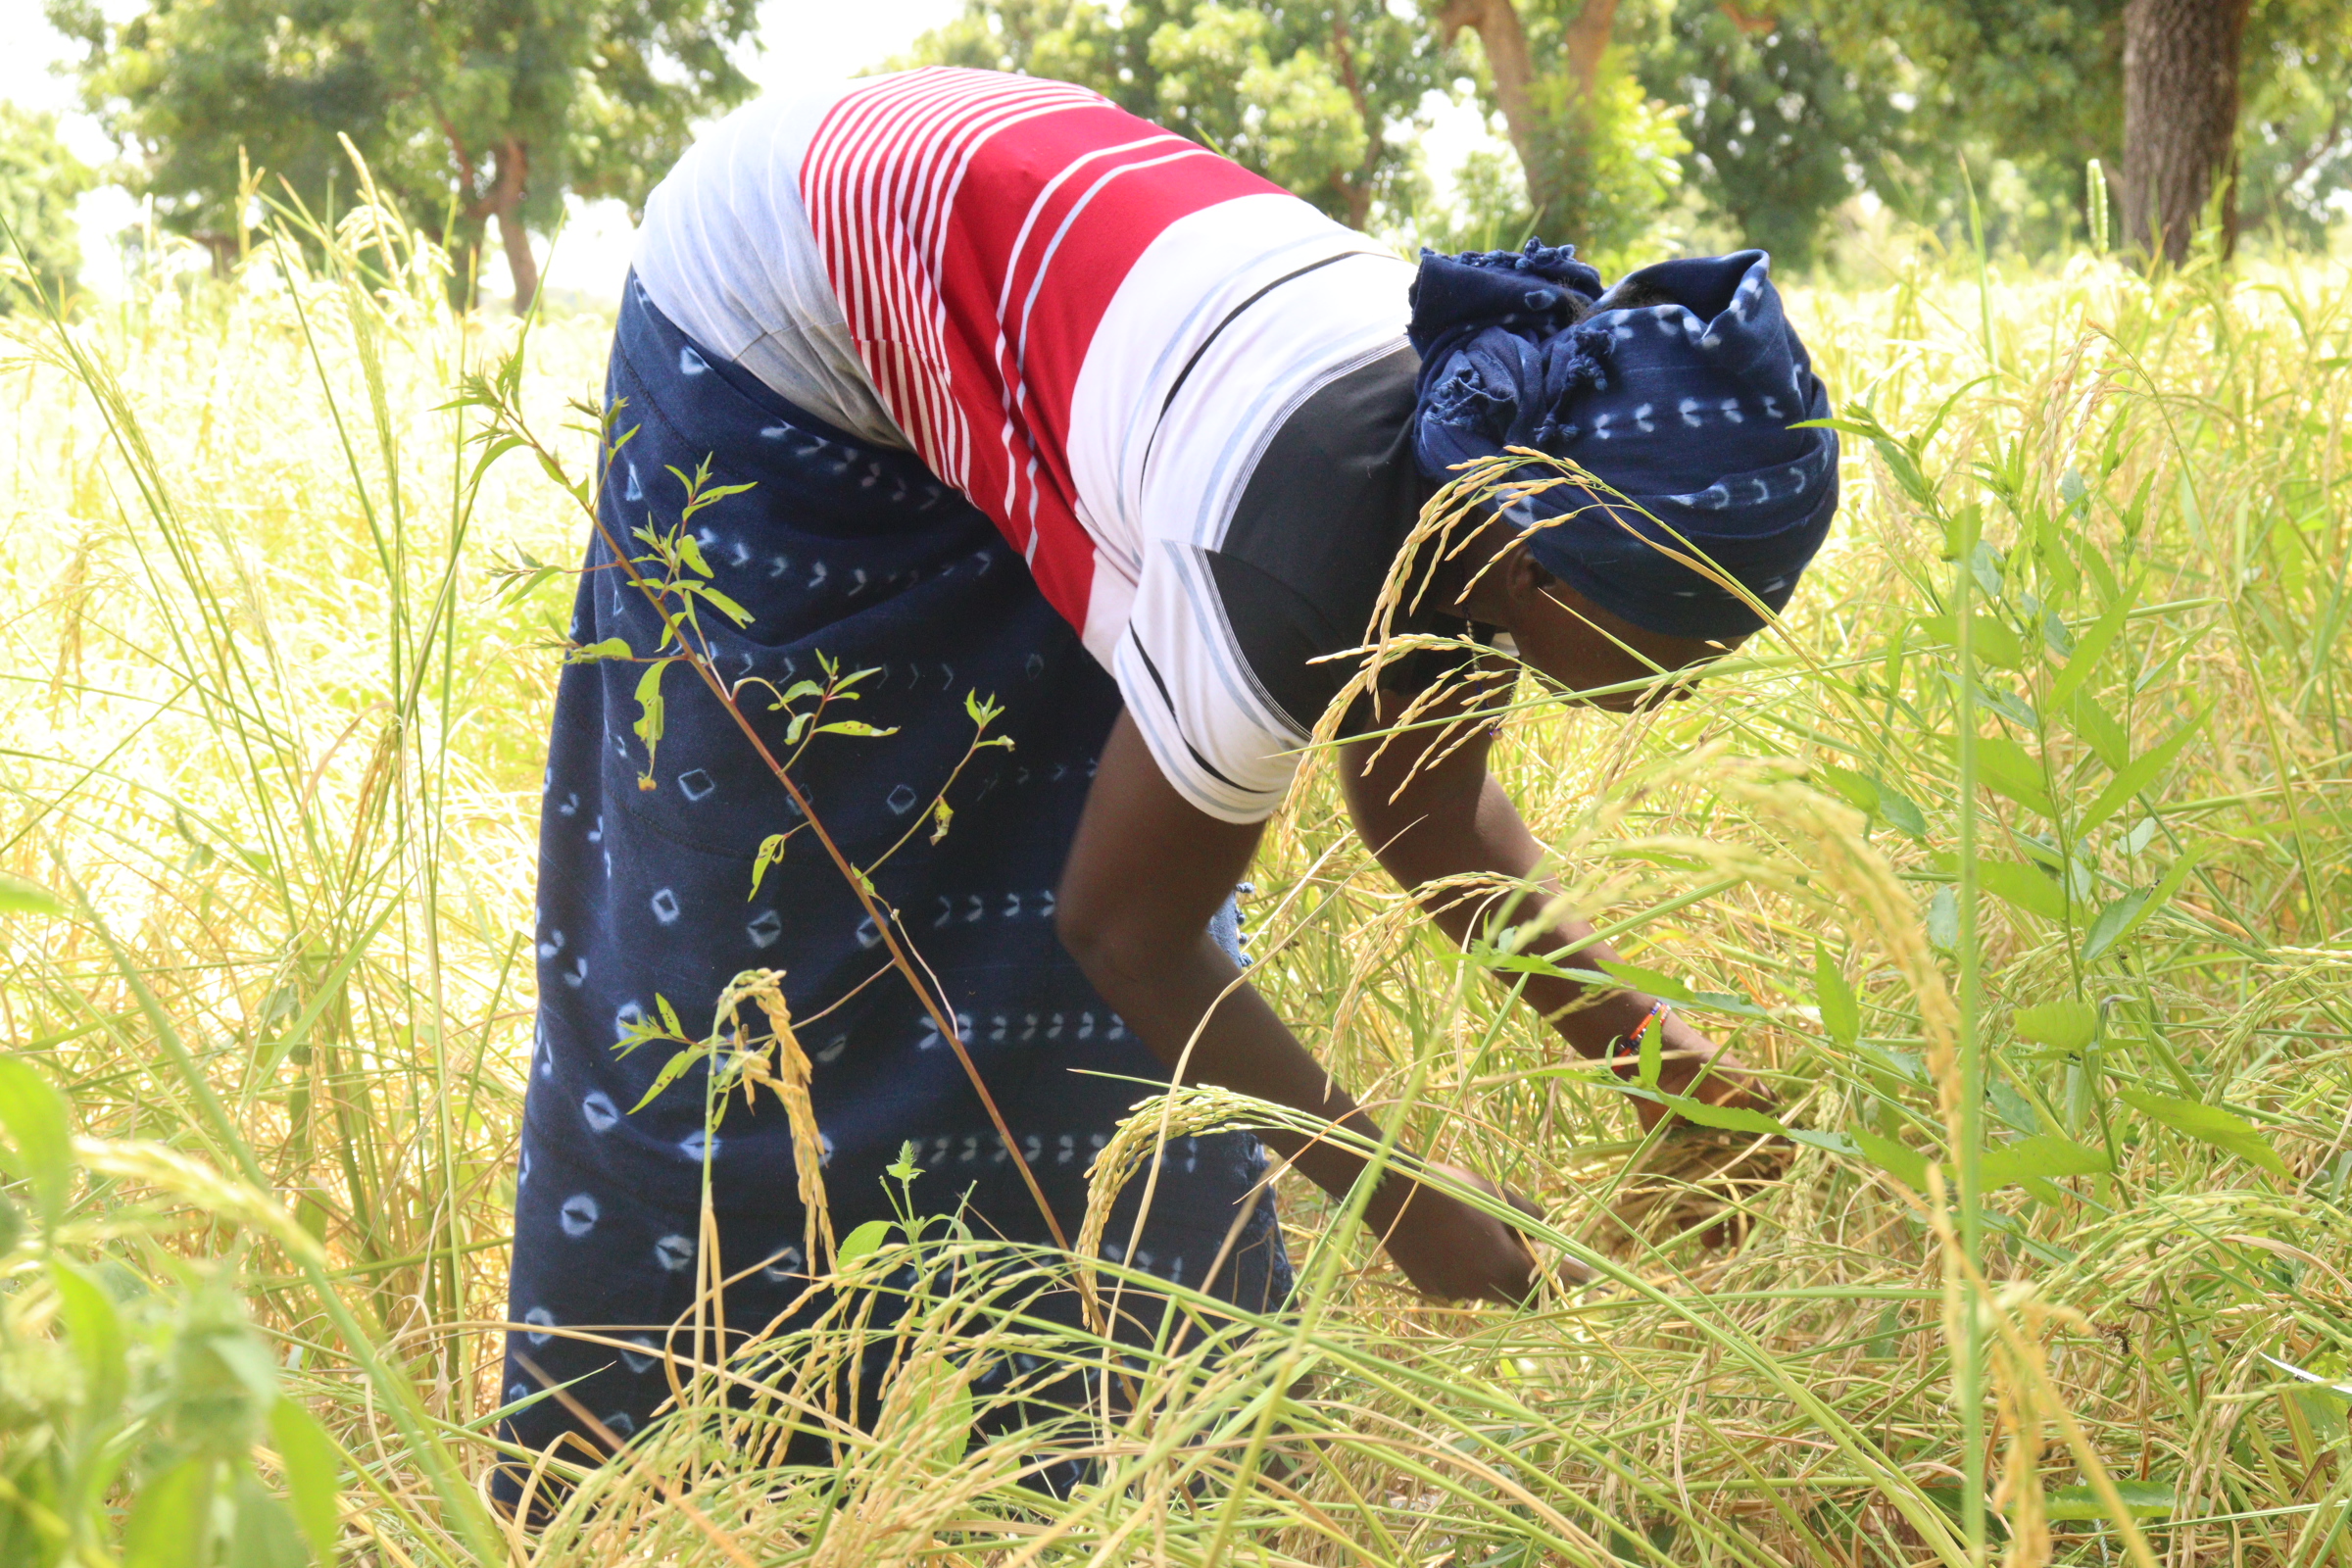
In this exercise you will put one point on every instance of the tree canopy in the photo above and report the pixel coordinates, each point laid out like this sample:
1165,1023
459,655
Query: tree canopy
465,110
1320,98
40,180
2043,85
1748,121
1780,127
1784,109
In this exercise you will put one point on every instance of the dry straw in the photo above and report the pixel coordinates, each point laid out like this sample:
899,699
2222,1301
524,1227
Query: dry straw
271,717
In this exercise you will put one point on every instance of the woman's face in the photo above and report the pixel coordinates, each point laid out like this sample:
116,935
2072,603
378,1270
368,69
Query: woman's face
1583,648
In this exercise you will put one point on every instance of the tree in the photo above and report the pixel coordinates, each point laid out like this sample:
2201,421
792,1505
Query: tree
1599,155
2181,87
1318,97
2040,80
1548,112
40,180
1780,108
2153,88
2294,143
1322,96
465,110
1781,128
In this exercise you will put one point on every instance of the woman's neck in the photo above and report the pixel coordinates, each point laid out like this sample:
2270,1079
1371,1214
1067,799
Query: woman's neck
1467,581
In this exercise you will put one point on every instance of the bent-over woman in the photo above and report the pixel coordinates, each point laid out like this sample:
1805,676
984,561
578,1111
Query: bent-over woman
1044,403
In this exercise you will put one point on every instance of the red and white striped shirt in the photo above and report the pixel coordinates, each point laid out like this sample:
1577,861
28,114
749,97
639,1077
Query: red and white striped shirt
1090,327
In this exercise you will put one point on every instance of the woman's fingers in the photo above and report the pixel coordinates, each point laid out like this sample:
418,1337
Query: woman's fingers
1457,1252
1699,1069
1568,1272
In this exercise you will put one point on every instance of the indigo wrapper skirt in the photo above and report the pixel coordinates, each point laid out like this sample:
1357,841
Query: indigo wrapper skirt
857,556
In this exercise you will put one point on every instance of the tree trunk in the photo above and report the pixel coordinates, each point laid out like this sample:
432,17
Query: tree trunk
1497,23
1550,146
519,261
2180,60
503,201
514,179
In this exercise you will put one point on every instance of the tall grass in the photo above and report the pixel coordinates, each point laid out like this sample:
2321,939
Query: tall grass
2018,859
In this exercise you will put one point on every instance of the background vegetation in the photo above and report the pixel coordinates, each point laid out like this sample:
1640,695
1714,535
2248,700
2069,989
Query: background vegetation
1625,125
1640,123
39,183
2021,858
465,110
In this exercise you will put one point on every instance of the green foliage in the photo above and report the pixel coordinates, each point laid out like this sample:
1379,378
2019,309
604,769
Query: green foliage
1793,108
2212,1124
317,982
2294,135
20,896
1492,209
2065,1026
2041,80
1759,122
1323,100
1294,122
39,183
155,1394
1598,167
2032,91
1781,128
461,109
1608,164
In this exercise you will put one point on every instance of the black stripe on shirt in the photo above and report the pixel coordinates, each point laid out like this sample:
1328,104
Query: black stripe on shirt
1231,316
1178,725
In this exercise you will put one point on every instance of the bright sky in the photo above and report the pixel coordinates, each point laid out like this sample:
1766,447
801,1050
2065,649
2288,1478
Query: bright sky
803,40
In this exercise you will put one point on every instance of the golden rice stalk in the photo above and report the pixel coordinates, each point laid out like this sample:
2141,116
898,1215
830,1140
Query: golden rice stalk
789,1081
1184,1110
200,1187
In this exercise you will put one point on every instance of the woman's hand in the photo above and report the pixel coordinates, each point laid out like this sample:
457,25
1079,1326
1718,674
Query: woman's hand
1146,872
1696,1067
1451,1250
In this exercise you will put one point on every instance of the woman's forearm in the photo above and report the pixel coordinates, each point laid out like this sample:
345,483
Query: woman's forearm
1175,993
1458,821
1424,840
1591,1017
1165,995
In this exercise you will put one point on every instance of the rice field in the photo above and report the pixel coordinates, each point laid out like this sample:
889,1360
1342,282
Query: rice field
2018,859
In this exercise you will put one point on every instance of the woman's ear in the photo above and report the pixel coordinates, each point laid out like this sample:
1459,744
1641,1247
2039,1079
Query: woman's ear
1527,586
1506,587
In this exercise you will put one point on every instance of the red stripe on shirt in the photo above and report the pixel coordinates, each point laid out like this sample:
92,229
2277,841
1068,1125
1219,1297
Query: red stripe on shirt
975,226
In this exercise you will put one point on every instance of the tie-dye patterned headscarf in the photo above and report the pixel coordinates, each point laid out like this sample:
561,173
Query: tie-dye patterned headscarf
1680,399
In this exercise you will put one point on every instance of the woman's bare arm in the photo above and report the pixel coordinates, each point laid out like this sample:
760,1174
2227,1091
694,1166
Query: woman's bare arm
1451,818
1146,871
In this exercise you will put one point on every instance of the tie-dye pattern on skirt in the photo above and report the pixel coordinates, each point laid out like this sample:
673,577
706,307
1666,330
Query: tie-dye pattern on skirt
850,554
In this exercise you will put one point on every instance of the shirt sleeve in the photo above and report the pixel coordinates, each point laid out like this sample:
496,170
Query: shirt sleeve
1218,737
1227,669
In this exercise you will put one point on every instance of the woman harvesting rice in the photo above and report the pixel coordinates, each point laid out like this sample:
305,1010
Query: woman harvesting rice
1049,405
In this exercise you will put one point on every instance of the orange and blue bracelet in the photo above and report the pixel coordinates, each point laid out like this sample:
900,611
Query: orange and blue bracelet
1627,1047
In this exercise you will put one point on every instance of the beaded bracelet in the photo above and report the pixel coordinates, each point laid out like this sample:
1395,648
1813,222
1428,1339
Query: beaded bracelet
1628,1045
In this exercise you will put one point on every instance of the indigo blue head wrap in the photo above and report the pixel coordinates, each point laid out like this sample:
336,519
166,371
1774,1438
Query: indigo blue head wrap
1680,399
